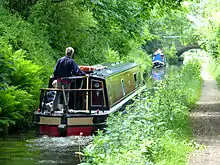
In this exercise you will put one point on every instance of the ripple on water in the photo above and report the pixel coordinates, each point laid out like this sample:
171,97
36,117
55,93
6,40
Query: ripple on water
42,150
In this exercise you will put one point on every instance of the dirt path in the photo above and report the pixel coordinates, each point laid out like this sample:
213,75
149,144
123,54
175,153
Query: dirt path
206,124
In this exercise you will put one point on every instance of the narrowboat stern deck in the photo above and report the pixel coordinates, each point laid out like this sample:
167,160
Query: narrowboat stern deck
91,99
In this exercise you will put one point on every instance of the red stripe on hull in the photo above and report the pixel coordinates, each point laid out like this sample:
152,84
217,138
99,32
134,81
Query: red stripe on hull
49,130
86,131
71,131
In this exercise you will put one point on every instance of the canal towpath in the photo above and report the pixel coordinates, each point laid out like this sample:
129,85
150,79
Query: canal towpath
205,120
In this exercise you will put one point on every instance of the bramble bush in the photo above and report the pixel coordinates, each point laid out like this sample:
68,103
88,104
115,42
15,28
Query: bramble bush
155,129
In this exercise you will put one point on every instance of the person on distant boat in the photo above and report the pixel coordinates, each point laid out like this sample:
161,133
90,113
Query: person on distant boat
158,58
65,67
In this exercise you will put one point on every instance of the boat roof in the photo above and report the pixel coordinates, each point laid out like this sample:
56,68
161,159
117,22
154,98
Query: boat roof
109,69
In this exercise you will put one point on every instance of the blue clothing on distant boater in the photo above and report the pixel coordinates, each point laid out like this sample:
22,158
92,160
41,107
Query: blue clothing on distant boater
158,58
66,67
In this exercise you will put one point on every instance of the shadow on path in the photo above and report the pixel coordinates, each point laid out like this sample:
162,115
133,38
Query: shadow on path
205,120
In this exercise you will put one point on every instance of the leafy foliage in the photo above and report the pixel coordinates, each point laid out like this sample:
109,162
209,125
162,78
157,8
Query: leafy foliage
6,67
214,69
95,27
19,88
35,33
15,105
154,127
171,56
69,24
26,75
22,35
205,15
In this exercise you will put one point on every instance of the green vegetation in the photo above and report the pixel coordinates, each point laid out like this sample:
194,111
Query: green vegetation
34,34
205,17
214,69
155,129
19,88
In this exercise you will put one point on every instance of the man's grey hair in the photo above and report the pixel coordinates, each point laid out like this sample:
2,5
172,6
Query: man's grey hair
69,51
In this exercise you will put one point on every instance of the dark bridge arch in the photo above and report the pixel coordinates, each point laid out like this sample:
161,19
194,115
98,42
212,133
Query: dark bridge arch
186,48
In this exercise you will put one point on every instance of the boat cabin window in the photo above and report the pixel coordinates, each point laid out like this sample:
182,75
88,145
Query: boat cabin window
135,80
97,97
135,77
123,87
139,78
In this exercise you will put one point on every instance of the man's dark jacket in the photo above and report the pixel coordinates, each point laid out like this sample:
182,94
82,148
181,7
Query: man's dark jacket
66,67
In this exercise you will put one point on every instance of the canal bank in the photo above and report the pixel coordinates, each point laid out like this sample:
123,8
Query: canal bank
205,120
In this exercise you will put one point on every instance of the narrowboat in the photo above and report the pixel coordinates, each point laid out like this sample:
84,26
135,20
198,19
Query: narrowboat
91,99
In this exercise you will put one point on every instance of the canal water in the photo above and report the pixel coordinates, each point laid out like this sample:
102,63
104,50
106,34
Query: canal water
27,149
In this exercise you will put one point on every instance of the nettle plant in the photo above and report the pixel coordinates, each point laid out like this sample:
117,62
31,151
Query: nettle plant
154,127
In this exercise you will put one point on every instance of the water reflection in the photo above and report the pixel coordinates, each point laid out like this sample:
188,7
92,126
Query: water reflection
30,150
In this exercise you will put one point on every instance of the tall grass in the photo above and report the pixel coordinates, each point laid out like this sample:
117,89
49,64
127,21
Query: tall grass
155,129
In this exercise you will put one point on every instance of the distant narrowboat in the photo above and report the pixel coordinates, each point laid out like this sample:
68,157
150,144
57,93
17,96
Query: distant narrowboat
91,99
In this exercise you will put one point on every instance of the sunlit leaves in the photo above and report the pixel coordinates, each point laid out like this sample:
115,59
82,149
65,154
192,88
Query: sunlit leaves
154,128
206,18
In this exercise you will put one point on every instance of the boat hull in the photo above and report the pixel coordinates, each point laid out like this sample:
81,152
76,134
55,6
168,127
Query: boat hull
54,131
69,125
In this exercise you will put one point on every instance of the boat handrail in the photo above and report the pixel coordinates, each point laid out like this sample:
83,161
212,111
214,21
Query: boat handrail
73,77
69,90
81,90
